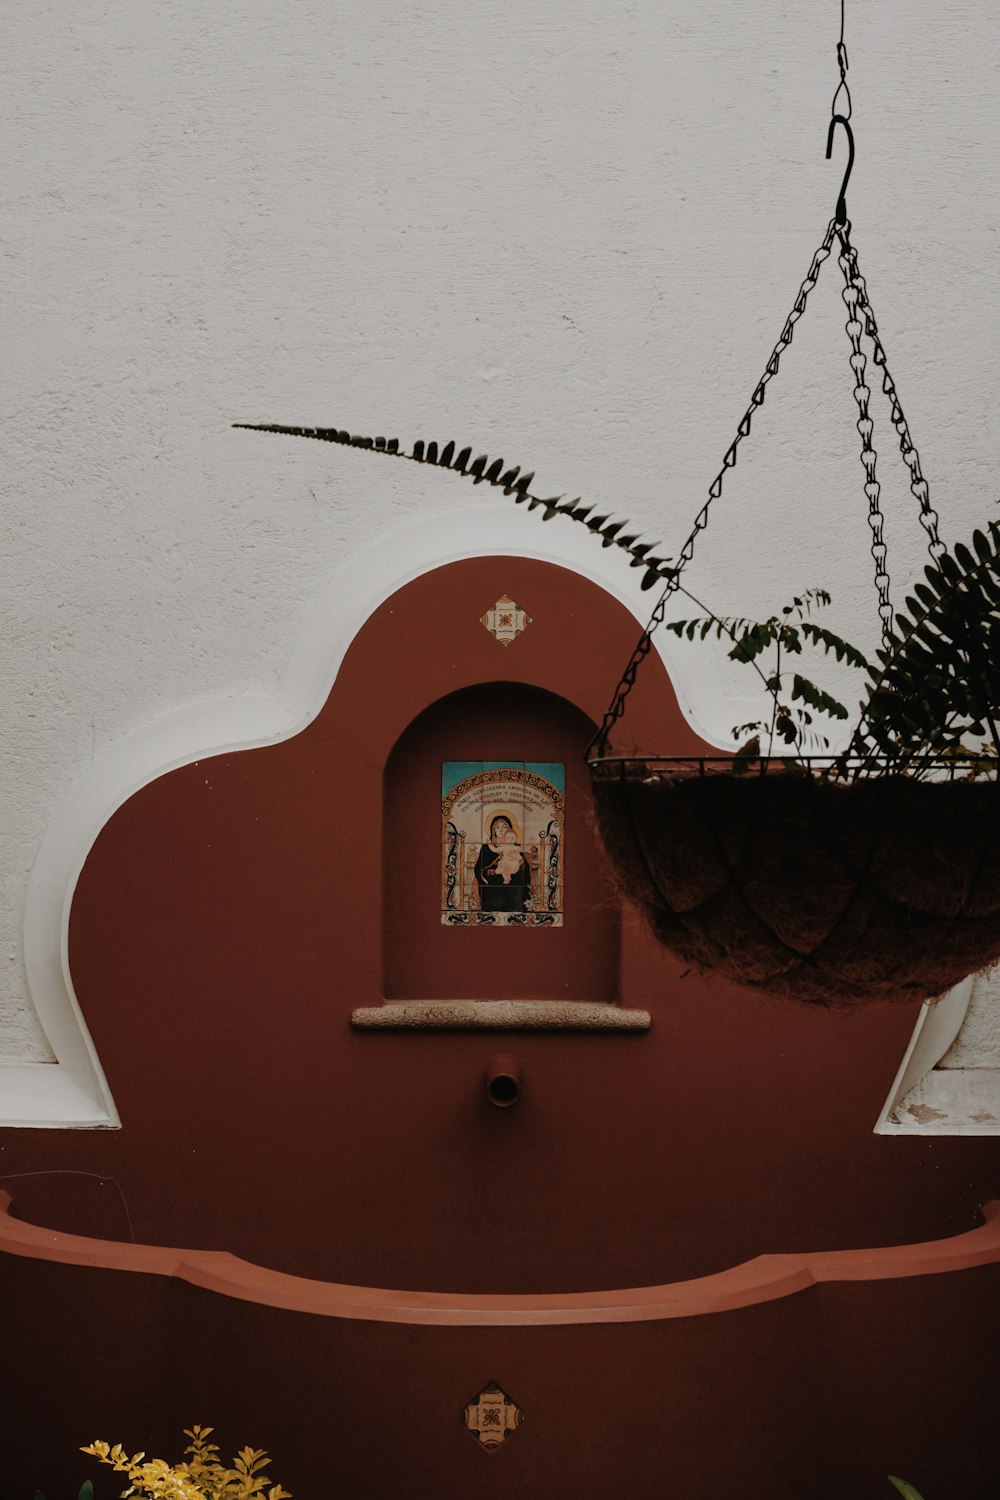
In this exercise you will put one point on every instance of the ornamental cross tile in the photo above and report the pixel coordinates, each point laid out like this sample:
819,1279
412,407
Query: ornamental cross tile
505,621
492,1416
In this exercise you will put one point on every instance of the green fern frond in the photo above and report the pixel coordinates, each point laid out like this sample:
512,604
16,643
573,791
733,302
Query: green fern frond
937,681
511,480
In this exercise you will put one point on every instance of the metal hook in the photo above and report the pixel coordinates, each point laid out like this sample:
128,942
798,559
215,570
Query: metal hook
841,215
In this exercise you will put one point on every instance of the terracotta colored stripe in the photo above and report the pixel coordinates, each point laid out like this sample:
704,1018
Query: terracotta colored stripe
764,1279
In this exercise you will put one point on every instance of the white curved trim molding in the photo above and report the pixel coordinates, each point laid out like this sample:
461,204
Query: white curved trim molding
926,1099
73,1091
938,1024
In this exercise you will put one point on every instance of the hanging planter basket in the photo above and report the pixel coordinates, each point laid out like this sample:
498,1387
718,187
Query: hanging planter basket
876,878
872,877
823,891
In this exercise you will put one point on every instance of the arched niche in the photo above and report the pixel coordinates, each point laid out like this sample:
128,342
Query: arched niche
429,681
430,952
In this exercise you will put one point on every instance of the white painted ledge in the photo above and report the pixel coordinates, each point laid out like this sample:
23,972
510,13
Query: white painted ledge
497,1015
951,1101
928,1099
44,1096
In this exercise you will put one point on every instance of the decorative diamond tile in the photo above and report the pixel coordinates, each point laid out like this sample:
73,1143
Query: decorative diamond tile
492,1417
505,621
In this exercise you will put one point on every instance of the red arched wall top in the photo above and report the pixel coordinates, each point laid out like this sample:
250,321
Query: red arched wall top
427,641
227,921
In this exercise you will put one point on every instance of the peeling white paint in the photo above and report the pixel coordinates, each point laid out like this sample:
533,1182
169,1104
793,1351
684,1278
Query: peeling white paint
952,1102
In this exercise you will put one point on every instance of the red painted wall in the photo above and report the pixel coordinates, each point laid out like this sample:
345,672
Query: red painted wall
230,917
818,1395
227,921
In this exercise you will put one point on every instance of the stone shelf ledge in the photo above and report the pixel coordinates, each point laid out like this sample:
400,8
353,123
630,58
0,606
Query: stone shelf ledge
497,1015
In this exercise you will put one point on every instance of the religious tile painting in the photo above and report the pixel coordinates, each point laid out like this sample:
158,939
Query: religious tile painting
502,843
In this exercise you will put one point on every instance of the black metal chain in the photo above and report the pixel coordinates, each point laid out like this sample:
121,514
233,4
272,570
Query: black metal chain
862,394
599,743
919,487
860,319
838,106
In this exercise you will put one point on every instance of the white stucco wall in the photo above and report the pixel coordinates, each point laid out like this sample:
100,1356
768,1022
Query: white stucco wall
565,234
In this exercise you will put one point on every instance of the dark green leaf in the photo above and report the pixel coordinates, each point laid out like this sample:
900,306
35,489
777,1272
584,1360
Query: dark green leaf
745,754
842,650
753,641
982,546
809,693
906,1490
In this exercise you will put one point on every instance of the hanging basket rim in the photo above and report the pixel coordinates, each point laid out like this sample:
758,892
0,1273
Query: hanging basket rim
849,768
819,887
